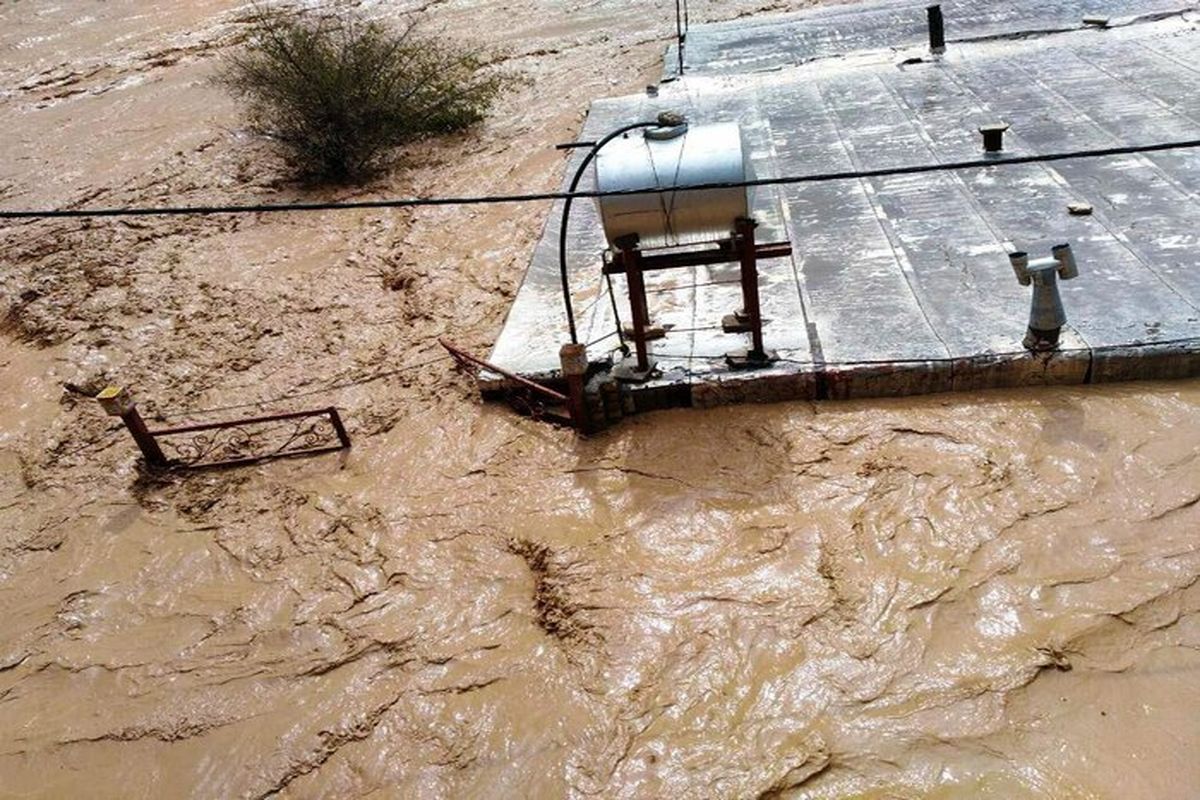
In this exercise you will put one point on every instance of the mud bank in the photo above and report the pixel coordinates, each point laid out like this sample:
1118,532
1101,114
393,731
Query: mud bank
973,595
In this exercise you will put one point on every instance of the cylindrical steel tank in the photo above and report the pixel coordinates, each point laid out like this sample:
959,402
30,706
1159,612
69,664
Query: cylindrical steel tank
687,155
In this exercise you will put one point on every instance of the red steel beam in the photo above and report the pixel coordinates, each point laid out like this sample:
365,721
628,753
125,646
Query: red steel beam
696,258
463,355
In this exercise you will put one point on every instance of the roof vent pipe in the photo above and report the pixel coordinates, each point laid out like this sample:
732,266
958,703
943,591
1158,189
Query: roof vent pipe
993,137
937,30
1046,314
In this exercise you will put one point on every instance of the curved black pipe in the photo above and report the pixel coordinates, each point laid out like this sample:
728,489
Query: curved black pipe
566,215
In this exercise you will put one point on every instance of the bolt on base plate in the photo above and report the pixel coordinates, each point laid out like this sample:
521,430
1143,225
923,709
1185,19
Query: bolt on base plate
747,359
737,322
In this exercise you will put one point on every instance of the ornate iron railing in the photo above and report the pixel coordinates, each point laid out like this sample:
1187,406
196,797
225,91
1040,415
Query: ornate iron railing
245,441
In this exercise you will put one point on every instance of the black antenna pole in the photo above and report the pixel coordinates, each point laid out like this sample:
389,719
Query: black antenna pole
679,34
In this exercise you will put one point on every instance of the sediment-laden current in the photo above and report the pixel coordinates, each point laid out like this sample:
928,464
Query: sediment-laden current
972,595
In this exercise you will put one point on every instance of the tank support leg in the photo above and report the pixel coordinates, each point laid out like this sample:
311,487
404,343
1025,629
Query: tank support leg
750,305
639,310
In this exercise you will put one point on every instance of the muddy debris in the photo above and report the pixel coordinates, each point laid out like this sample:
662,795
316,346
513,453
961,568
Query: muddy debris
555,611
984,594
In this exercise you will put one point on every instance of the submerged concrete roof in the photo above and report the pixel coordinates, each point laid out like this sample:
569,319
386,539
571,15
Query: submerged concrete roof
788,40
902,284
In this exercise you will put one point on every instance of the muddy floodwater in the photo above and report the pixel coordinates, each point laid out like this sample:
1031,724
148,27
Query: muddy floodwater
976,595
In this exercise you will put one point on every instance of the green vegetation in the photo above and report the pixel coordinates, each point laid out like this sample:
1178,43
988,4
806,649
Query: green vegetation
339,92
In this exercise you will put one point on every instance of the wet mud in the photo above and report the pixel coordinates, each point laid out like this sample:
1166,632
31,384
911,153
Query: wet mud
974,595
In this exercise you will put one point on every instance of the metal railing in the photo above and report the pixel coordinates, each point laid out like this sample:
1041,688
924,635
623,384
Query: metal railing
232,442
246,441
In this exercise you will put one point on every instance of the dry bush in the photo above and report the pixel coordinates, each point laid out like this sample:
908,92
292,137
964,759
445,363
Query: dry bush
338,92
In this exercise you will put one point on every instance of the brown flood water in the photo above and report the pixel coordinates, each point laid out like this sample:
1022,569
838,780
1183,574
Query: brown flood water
978,595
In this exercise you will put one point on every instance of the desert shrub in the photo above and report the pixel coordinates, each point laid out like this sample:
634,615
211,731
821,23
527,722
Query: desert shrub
338,92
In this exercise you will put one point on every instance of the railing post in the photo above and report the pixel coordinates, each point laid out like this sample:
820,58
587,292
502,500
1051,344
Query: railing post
631,259
117,402
574,361
750,302
335,419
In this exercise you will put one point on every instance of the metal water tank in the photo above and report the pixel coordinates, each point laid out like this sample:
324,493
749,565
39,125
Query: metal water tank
684,155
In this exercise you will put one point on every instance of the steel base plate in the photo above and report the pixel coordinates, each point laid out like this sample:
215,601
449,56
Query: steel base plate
627,371
745,359
736,322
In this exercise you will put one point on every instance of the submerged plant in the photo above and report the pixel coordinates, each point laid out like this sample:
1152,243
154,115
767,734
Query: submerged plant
339,92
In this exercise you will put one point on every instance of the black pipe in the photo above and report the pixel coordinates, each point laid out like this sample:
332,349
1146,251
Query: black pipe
566,216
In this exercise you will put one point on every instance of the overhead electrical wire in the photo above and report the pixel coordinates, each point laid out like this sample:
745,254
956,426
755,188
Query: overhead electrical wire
336,385
416,202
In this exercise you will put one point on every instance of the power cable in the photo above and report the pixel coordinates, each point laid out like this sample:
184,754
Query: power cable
685,286
97,444
416,202
616,314
608,335
200,412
